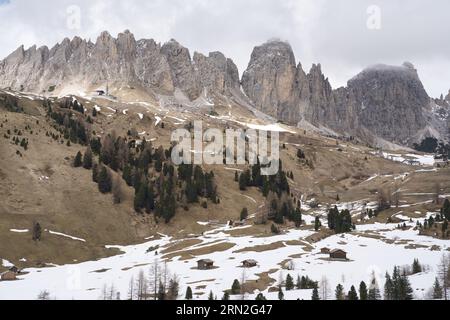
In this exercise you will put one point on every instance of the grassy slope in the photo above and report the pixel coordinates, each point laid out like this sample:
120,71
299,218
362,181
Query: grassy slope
70,203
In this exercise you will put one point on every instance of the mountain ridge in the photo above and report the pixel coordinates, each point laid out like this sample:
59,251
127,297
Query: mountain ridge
380,103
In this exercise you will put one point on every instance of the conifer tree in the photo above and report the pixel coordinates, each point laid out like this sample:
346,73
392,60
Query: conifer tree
37,231
339,293
352,294
78,160
211,296
289,283
317,224
126,175
416,267
388,288
188,295
260,297
95,173
363,293
226,296
315,294
437,290
407,293
87,159
280,293
104,180
244,214
236,287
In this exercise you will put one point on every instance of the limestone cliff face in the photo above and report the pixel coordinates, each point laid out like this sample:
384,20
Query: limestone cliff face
120,61
270,78
391,101
385,101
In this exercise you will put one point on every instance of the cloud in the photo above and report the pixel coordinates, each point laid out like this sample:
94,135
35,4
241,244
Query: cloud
332,32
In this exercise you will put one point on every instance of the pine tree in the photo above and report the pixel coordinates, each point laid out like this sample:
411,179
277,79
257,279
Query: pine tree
363,294
437,290
317,224
211,296
188,295
446,209
140,197
315,294
78,160
260,297
236,287
37,232
416,267
243,181
388,288
95,173
126,175
280,293
244,214
226,296
87,159
406,291
289,283
339,293
352,294
104,181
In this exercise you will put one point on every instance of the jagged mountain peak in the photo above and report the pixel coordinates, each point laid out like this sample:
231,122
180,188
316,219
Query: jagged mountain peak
122,60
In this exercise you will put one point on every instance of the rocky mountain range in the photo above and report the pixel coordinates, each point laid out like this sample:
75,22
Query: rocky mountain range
381,104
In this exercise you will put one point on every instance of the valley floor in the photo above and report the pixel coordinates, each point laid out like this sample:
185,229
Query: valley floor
371,248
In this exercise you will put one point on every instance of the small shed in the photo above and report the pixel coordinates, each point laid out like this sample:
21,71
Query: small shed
325,250
205,264
249,263
338,254
8,276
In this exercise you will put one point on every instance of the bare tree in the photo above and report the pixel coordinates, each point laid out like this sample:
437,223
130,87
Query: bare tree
243,280
141,286
443,273
324,288
154,278
131,289
44,295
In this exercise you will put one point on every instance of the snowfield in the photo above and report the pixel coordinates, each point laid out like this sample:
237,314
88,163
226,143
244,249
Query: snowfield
371,248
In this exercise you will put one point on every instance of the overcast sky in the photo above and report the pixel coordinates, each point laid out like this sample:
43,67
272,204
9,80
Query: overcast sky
343,35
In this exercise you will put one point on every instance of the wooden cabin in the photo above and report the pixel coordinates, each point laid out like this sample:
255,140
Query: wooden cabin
325,251
249,263
205,264
338,254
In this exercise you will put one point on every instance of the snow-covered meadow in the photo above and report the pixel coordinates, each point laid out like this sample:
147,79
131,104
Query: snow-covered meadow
371,248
